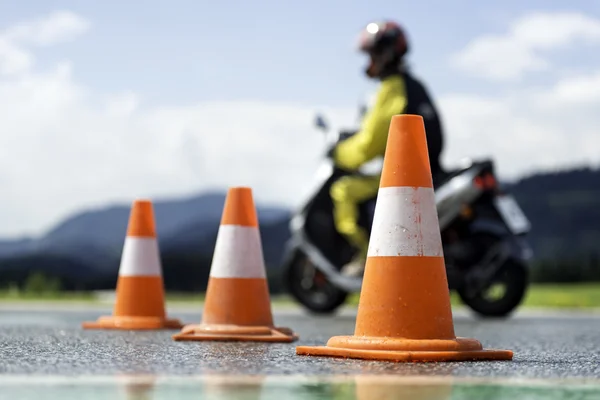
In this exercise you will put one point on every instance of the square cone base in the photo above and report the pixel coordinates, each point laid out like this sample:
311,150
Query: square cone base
208,332
405,350
133,323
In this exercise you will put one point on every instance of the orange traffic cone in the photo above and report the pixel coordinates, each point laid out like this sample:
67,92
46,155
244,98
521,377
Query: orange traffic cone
140,302
404,311
237,305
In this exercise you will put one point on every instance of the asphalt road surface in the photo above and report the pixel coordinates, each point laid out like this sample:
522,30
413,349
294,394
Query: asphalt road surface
45,350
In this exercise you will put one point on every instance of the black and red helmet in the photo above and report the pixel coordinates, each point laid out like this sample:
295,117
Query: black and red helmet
385,42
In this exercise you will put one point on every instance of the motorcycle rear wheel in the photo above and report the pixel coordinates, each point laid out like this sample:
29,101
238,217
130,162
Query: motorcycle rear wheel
513,276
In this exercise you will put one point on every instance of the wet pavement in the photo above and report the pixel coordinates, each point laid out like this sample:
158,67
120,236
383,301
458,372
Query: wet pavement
558,355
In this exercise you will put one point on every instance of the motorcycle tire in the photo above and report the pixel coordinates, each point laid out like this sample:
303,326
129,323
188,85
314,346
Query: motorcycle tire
324,300
515,278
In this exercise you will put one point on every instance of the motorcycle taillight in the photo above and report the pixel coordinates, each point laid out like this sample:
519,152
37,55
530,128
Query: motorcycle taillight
486,181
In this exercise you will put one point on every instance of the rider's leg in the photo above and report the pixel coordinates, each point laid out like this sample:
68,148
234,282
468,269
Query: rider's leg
346,194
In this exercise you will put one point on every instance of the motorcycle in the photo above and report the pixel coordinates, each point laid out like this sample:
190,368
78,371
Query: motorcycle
483,232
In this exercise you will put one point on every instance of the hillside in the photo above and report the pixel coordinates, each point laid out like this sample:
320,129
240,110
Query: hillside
564,208
84,250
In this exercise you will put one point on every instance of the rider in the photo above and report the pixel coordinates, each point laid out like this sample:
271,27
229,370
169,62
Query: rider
399,93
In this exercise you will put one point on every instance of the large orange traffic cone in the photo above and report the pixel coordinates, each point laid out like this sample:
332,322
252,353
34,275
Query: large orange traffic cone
238,305
404,311
140,298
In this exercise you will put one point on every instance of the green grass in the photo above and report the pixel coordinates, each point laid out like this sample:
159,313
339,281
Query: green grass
576,296
71,297
584,295
557,296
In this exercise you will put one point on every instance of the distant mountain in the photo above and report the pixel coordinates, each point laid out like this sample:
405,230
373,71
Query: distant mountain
564,208
92,241
18,246
105,229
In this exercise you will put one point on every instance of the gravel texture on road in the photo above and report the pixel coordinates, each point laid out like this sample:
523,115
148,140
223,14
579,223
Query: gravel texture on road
52,342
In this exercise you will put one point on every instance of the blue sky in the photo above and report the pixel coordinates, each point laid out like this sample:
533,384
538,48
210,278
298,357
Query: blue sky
108,101
178,52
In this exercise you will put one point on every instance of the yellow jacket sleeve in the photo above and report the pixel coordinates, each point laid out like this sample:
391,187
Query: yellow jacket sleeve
371,140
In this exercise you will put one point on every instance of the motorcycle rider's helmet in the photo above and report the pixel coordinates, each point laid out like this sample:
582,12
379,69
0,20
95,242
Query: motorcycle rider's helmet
386,44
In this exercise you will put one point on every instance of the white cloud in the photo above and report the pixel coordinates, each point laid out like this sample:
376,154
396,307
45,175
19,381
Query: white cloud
529,129
579,90
12,58
65,148
59,153
57,27
510,56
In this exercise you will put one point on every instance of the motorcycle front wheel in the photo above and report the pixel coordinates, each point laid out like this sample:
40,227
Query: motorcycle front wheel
310,287
503,295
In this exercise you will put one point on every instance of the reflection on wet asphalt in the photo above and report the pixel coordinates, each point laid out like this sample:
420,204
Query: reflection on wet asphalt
293,387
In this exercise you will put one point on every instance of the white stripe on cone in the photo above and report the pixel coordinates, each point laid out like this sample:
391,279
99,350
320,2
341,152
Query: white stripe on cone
140,257
405,223
238,253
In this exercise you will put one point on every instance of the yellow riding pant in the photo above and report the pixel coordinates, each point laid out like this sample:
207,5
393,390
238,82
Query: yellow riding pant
347,193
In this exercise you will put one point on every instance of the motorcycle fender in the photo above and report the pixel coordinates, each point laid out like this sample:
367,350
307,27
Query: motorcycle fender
519,248
491,226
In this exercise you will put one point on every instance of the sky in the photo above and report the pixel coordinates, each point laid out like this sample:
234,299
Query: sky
105,102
